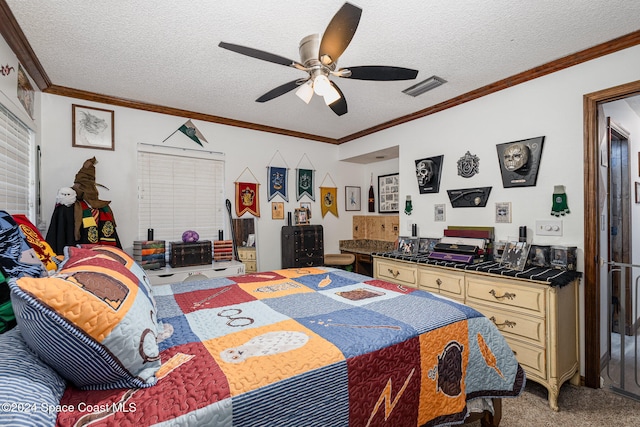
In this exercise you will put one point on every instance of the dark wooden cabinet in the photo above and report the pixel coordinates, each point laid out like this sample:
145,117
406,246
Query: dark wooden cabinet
302,246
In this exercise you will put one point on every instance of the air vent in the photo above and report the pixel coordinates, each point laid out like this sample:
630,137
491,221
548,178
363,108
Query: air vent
425,85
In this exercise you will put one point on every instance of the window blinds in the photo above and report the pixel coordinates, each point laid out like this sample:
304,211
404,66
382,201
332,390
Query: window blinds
180,190
15,164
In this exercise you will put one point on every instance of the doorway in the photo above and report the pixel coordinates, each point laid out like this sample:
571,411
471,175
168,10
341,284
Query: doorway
618,249
595,272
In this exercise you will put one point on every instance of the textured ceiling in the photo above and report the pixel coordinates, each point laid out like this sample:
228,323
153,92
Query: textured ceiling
166,53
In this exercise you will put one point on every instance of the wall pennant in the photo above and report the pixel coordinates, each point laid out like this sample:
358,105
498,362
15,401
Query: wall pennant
191,131
304,180
277,177
329,198
277,182
247,195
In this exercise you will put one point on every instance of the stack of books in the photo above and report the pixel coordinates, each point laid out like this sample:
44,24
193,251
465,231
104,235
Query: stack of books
223,250
150,254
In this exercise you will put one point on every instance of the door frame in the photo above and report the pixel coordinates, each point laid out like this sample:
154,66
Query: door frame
591,277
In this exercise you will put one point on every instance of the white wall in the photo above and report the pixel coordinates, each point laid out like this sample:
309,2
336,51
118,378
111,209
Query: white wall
243,149
550,106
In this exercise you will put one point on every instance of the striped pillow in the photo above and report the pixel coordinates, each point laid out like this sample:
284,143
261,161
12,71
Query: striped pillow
92,321
29,389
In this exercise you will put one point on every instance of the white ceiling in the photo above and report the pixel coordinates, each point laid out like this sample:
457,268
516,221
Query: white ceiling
166,53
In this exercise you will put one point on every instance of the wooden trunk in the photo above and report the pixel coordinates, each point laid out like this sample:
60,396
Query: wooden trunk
302,246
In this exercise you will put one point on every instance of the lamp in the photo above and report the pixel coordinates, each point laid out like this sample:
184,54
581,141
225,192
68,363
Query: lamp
305,91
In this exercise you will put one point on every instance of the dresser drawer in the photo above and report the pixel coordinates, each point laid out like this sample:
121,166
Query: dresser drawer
396,273
533,359
502,294
247,254
250,266
449,284
515,325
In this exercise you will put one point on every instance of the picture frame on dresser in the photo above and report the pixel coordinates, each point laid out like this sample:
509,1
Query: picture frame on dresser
515,255
389,193
407,245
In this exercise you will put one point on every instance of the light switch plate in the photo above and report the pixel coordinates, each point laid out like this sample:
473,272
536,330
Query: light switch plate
551,227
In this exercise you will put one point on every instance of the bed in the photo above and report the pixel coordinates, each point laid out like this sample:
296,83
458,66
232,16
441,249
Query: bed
294,347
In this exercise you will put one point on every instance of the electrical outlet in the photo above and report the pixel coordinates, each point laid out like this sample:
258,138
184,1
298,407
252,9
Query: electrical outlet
551,227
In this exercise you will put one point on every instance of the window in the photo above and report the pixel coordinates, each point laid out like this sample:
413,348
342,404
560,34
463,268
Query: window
16,191
180,190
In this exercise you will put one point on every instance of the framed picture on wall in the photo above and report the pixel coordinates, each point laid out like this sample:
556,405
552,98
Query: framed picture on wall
389,193
277,210
92,127
352,198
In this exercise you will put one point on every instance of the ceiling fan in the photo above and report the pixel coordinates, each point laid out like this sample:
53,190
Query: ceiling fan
319,58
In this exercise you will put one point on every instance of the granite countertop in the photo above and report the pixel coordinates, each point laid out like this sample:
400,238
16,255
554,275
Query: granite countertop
366,246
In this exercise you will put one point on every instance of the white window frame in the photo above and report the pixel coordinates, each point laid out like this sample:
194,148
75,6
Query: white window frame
180,190
17,185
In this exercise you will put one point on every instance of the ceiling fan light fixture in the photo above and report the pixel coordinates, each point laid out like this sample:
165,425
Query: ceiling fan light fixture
424,86
305,91
321,85
331,96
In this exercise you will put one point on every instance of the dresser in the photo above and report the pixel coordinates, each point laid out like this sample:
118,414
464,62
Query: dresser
247,255
302,246
539,322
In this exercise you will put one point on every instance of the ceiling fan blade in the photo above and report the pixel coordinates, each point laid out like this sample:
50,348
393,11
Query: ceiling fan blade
379,73
260,54
339,33
340,106
280,90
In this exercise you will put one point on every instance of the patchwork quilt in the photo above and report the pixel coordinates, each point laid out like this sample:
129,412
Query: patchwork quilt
308,347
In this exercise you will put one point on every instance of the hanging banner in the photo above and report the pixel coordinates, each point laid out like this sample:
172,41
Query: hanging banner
277,182
304,180
247,198
329,202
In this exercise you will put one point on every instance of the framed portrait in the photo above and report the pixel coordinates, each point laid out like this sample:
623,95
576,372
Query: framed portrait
439,212
426,244
503,212
389,193
428,172
407,245
352,198
92,127
277,210
301,216
539,256
26,94
515,255
307,206
520,162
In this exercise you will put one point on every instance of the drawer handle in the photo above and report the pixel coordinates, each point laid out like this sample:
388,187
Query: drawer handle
394,274
438,282
506,295
506,323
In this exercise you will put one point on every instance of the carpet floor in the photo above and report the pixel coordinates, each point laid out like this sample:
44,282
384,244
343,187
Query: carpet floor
579,406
